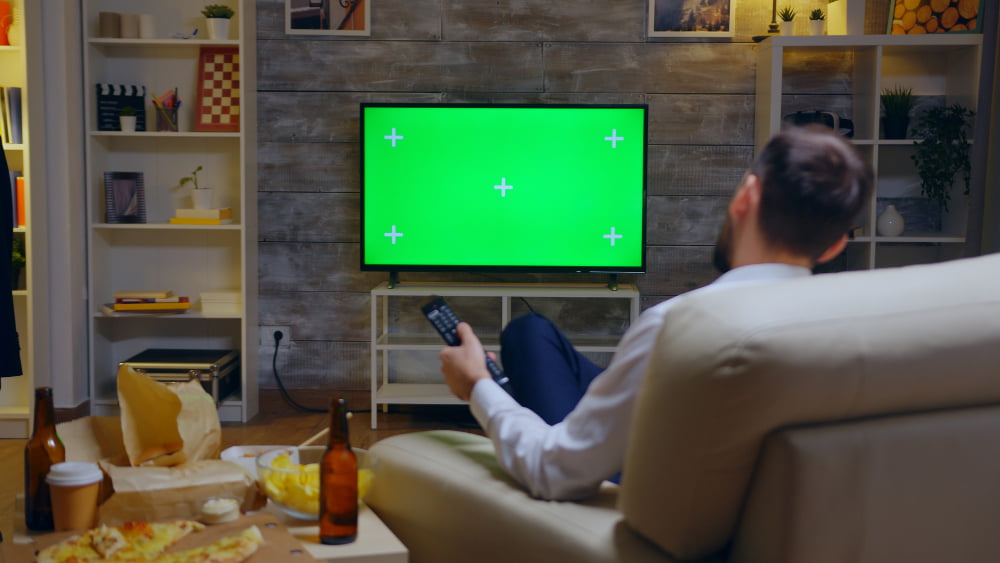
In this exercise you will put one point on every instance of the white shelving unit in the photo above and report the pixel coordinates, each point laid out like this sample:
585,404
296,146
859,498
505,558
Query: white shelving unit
20,66
187,259
940,68
387,339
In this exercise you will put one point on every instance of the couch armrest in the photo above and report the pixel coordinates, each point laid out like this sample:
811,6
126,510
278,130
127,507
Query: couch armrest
445,496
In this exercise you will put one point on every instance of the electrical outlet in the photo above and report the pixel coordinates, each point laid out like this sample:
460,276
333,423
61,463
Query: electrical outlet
266,336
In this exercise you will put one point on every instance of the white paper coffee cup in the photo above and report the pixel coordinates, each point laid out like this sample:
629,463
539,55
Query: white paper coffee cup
74,486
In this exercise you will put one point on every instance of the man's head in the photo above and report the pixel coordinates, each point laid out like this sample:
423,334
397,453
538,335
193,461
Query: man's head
806,187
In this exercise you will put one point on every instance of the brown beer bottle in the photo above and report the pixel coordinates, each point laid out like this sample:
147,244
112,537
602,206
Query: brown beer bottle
338,482
42,451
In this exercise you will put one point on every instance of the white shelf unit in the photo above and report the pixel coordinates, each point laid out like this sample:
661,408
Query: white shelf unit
940,69
187,259
20,66
421,337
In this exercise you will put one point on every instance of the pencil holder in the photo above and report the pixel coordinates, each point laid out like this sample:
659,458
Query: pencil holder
166,119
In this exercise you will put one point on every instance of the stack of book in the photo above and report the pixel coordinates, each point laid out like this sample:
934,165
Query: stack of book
221,302
148,302
221,216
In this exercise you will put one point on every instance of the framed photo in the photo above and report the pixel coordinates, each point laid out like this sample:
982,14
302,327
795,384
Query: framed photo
124,197
218,84
691,18
934,16
328,17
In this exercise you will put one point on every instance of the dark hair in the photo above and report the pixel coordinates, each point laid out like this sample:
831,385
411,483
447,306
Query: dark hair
814,185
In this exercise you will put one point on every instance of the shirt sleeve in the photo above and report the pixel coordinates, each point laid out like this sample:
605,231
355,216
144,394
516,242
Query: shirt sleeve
570,459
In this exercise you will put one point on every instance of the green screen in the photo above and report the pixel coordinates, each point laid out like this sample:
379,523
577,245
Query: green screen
534,187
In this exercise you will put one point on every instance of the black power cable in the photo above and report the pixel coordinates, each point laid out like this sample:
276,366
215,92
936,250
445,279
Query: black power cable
281,386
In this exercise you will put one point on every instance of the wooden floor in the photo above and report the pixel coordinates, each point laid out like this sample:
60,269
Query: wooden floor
278,426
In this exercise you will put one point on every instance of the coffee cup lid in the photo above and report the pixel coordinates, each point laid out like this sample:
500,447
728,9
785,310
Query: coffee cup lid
74,473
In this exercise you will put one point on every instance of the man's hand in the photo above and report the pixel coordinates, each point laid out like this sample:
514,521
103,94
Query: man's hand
464,365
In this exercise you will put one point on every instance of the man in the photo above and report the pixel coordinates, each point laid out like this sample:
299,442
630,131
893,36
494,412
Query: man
568,428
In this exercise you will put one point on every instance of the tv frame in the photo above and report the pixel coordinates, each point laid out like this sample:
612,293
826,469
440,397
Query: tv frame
393,269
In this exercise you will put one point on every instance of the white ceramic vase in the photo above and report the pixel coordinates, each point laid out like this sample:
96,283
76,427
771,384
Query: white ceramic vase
787,28
845,17
218,28
126,123
816,27
890,222
203,198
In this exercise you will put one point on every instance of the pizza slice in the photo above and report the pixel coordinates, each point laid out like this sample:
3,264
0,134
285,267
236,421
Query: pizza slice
230,549
132,541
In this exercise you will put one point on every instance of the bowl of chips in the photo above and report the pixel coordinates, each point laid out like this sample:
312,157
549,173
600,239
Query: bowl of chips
289,477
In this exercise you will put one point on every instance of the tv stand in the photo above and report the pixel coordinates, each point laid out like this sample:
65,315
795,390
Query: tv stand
393,279
400,336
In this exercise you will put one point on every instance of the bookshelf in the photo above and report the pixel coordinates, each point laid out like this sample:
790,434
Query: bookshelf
157,255
20,65
846,74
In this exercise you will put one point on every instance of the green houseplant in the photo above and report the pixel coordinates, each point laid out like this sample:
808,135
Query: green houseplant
897,102
18,261
217,17
126,118
787,16
201,197
816,22
943,151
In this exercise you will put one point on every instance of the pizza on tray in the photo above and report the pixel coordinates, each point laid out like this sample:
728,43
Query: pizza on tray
145,541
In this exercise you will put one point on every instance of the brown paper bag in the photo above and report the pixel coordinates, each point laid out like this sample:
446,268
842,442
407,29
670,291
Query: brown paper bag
149,413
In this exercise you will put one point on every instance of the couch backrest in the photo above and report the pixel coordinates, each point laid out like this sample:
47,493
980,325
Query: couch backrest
732,366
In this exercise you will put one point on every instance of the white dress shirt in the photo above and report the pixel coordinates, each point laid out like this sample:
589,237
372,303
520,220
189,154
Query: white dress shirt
570,459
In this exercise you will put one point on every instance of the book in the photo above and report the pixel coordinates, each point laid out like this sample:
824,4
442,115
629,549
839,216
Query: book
221,213
4,125
194,221
14,114
143,294
13,195
181,305
109,310
174,299
22,216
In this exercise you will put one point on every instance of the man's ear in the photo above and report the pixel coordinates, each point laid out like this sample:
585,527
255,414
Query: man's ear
834,250
747,196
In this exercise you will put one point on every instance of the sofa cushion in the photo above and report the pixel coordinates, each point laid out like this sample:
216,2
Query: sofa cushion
730,367
445,496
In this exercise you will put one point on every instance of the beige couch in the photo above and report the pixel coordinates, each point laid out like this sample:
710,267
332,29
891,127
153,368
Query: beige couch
845,418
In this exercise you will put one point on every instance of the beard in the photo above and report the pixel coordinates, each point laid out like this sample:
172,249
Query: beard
721,255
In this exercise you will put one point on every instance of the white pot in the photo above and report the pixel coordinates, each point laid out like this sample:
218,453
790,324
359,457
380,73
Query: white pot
816,27
890,222
845,17
203,198
126,123
218,28
787,28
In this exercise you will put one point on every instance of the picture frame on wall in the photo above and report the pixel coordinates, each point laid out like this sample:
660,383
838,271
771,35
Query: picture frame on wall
328,17
691,18
912,17
124,197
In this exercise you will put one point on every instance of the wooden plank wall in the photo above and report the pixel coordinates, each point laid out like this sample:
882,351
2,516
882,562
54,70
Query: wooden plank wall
701,98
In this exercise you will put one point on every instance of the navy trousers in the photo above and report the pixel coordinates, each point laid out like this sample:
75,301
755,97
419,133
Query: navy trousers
547,374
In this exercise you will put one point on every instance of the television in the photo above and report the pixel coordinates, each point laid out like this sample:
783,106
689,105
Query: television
503,187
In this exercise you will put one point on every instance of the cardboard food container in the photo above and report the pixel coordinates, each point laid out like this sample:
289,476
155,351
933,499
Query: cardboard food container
161,456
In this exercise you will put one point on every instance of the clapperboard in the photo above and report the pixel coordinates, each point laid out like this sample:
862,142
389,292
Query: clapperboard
111,98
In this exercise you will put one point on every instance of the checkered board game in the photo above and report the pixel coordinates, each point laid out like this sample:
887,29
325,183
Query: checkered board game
218,89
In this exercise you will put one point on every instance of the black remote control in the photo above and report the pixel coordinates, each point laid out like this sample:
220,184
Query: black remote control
446,322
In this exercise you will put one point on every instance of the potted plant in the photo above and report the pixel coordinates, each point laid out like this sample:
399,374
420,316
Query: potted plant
18,261
896,105
201,198
126,119
787,16
217,18
943,151
816,22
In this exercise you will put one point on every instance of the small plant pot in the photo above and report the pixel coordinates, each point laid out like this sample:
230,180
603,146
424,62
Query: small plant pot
126,123
203,198
895,126
816,27
218,28
787,28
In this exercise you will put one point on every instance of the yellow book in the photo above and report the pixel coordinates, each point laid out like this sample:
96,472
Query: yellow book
197,221
220,213
140,294
181,305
